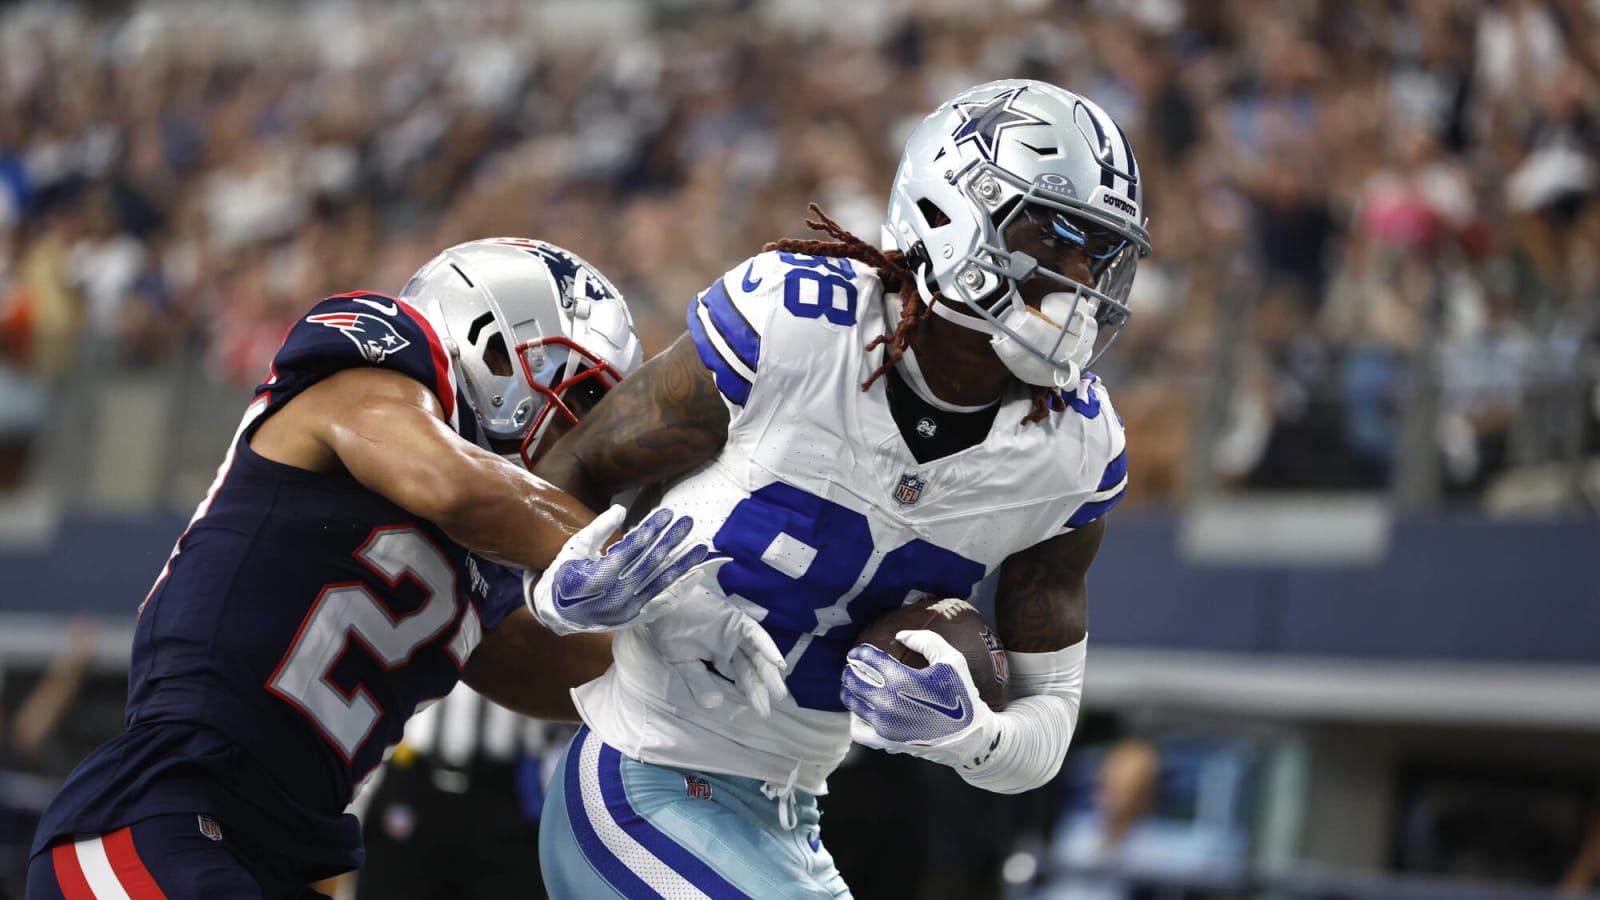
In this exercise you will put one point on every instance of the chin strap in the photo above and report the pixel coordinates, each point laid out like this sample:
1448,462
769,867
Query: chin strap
946,311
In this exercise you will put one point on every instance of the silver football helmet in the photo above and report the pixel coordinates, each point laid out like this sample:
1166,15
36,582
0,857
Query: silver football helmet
527,325
1005,150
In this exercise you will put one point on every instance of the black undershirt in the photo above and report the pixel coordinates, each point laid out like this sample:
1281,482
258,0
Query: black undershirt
931,432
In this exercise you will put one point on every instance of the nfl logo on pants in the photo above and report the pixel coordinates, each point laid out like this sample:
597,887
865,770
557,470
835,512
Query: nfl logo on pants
696,787
909,489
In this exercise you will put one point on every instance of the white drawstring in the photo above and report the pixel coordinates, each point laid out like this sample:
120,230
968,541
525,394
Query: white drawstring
788,809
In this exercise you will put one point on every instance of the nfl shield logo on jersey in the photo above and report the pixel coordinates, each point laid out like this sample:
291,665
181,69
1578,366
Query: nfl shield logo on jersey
696,787
210,828
909,489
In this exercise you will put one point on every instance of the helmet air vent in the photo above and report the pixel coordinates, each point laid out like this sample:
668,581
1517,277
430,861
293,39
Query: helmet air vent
496,356
477,327
932,214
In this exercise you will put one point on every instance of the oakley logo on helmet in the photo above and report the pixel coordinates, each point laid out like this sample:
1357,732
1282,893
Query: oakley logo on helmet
1057,185
983,120
375,337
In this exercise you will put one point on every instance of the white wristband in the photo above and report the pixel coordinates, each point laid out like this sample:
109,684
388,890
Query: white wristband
1036,726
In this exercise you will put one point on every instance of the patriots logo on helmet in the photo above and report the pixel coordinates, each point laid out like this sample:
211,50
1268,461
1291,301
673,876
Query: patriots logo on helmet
983,120
374,336
569,271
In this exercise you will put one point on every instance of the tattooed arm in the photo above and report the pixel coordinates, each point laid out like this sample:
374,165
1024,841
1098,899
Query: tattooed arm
656,425
1042,602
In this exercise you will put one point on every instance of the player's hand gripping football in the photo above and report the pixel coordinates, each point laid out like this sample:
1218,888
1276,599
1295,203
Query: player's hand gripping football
933,712
590,587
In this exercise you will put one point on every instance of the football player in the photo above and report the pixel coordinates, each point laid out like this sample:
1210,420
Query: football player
856,429
349,564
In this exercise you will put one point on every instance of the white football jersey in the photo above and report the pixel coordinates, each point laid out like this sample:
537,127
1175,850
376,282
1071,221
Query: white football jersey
828,517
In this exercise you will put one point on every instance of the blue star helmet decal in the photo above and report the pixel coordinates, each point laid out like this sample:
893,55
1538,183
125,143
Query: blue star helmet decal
983,120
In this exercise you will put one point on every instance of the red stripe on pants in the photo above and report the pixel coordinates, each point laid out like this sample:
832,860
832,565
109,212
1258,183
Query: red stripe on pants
69,875
125,861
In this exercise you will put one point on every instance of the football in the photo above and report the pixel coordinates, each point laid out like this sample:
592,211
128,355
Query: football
958,622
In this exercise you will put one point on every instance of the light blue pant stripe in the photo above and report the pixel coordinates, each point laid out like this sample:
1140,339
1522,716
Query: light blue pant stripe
622,828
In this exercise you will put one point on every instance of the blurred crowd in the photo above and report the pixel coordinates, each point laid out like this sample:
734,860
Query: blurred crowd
1357,205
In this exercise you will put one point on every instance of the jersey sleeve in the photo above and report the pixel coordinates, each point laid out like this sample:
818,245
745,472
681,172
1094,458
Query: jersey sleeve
727,321
502,592
357,330
1109,447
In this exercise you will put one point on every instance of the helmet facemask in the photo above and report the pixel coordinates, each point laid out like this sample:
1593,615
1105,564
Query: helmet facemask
1018,154
556,368
1051,343
530,327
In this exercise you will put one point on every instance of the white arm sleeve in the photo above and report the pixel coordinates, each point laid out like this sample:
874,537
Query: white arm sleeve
1037,725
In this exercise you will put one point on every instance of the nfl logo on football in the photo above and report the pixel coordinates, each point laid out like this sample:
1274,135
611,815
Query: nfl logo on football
909,489
997,654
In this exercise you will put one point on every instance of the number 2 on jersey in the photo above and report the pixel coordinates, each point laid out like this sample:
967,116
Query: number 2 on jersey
350,610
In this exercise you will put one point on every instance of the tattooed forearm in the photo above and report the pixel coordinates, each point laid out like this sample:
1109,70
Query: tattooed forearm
656,425
1042,602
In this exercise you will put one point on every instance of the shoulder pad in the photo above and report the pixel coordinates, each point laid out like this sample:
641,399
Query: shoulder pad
769,295
361,329
1107,442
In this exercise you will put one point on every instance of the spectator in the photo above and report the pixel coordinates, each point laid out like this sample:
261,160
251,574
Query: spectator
24,738
200,166
1108,847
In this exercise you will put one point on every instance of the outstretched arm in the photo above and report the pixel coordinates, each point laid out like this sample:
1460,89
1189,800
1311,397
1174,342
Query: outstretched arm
661,422
388,431
656,425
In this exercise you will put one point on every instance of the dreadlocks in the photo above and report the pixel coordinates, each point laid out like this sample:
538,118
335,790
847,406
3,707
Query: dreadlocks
897,277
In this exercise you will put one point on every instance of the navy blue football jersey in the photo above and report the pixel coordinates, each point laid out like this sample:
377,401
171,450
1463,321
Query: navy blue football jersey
298,624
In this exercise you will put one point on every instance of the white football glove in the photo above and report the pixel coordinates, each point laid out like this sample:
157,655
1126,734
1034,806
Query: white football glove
934,713
589,589
715,647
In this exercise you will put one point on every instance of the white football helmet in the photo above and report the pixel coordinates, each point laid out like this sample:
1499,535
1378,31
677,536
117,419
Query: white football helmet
526,323
1000,151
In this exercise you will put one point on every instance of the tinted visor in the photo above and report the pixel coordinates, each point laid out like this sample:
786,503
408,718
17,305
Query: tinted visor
1099,243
